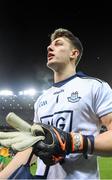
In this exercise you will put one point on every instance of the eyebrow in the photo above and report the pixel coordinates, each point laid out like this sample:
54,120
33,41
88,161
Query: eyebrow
56,40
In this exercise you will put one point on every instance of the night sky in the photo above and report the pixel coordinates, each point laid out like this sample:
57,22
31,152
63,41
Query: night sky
24,35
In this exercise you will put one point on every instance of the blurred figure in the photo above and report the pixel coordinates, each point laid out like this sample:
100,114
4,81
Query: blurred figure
4,153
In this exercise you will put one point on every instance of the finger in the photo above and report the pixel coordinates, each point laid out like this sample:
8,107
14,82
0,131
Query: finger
18,123
37,130
26,143
8,141
7,135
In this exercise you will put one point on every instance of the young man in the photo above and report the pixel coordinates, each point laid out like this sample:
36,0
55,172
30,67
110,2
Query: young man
71,113
76,105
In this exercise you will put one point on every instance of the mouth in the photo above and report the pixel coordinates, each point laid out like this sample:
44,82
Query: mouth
50,56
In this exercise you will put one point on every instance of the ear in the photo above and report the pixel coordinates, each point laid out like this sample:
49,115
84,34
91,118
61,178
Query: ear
74,54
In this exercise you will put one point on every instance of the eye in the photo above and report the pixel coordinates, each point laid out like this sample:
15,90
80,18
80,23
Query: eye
59,43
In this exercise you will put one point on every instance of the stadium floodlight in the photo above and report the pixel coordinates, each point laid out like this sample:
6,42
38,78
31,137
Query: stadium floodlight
28,92
6,93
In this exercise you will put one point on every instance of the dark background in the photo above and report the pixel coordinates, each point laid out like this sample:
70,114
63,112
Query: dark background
25,27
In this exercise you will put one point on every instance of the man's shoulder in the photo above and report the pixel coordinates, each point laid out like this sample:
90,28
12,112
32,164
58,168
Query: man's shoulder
89,78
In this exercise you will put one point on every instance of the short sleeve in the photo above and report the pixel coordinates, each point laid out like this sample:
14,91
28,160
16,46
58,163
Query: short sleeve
103,99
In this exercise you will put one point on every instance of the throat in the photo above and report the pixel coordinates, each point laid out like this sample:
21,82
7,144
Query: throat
62,76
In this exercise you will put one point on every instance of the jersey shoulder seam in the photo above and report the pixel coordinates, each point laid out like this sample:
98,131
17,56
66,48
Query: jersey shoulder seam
93,78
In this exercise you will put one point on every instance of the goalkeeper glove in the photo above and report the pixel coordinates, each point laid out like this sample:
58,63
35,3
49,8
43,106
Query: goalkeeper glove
57,144
23,138
18,141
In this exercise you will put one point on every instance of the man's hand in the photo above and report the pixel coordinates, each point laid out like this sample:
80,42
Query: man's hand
18,141
23,138
56,145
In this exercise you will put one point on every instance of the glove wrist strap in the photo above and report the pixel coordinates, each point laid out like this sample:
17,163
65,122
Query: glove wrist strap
77,142
82,143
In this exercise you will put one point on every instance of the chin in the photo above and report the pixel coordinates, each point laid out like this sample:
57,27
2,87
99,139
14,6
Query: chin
52,65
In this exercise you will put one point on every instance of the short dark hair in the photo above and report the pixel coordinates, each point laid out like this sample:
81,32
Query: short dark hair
60,32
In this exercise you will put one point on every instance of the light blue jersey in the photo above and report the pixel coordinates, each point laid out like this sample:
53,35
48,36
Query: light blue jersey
75,104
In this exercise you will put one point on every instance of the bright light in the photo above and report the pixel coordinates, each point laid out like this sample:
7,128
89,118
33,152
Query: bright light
6,93
29,92
43,91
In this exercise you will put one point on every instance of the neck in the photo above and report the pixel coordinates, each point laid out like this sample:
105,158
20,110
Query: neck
62,75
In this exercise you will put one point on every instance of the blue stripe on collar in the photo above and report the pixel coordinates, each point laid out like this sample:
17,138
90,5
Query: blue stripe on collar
61,83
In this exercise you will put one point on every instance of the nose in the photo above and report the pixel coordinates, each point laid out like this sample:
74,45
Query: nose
50,48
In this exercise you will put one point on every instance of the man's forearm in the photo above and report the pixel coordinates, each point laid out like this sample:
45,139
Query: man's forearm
19,159
103,144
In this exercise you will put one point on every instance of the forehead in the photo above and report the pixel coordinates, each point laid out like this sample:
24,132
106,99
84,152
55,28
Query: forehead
61,39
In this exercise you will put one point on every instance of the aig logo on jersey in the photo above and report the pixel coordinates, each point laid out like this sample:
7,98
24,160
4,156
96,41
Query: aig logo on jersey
59,119
74,97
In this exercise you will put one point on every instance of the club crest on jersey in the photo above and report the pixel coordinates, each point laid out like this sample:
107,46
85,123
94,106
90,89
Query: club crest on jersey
74,97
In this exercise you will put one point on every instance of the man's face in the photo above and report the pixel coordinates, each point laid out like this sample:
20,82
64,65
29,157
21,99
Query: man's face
59,52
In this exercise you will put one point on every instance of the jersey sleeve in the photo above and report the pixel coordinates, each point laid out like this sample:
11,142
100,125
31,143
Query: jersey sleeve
103,99
36,118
